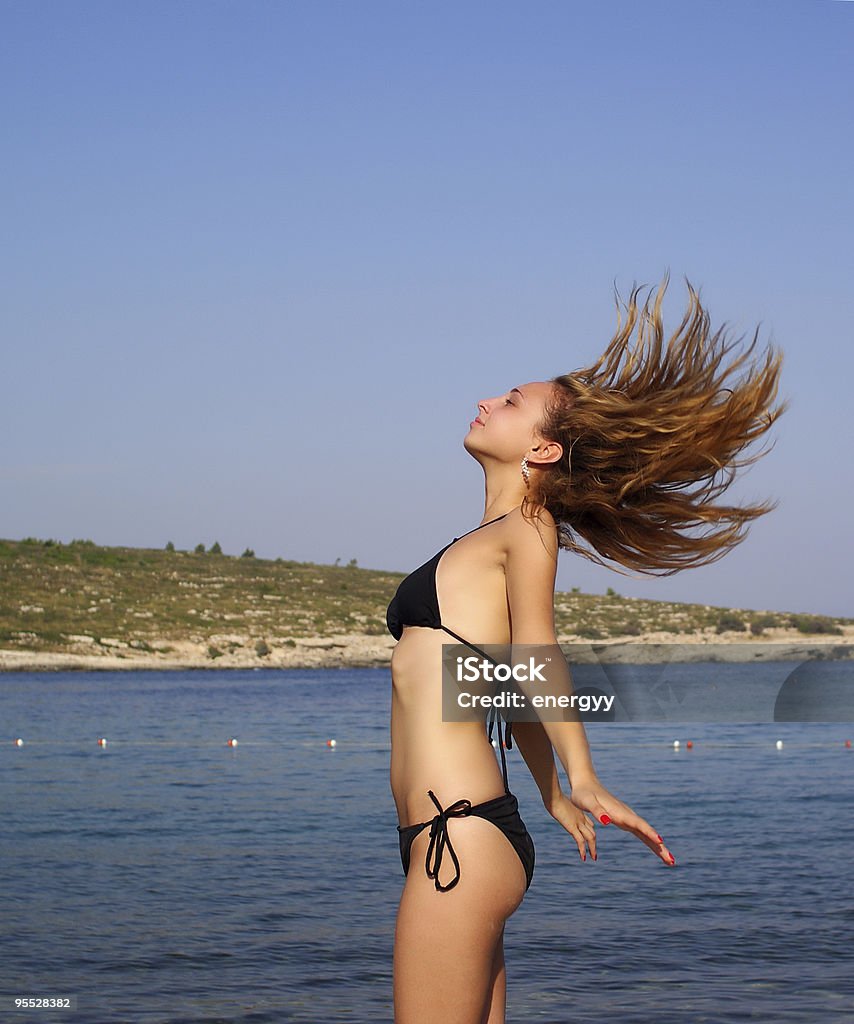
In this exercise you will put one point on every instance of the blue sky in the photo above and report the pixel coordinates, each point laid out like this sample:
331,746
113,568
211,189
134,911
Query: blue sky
261,259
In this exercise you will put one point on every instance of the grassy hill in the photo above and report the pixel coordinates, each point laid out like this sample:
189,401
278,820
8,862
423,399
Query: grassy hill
54,596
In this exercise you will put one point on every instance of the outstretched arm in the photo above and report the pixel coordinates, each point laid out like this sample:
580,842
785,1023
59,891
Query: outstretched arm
531,568
536,748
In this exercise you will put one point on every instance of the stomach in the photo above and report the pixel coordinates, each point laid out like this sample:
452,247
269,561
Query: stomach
454,759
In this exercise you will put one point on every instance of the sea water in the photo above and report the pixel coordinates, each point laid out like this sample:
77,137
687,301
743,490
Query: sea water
170,876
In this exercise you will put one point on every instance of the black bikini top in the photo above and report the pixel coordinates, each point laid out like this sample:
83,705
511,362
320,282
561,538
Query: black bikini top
415,602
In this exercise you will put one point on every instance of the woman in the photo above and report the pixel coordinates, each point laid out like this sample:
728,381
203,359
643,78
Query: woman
620,462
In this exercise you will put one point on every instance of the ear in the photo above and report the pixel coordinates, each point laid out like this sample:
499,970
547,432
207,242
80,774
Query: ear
547,452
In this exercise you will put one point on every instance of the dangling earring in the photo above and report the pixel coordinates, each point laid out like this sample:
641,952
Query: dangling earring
525,471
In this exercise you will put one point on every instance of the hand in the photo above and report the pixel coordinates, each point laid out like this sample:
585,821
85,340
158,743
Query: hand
576,822
591,795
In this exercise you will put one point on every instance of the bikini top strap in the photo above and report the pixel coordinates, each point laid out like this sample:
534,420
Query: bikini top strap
465,643
493,715
491,521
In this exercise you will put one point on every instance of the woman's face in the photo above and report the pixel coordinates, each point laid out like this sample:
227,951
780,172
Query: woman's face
505,425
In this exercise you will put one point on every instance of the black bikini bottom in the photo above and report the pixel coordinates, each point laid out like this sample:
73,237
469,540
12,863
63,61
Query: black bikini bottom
502,811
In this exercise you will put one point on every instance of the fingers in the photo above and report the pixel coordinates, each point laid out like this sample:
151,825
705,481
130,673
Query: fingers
585,833
657,847
614,811
638,826
590,835
647,834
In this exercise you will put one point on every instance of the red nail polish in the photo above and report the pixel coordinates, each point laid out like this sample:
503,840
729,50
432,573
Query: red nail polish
658,837
672,858
604,819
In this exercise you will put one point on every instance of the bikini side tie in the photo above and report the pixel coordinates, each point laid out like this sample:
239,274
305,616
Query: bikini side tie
493,718
439,839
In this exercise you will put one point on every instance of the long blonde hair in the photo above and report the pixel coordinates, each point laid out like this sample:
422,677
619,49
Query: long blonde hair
652,435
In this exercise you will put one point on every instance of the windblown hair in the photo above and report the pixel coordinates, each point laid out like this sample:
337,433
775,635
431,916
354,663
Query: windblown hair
651,437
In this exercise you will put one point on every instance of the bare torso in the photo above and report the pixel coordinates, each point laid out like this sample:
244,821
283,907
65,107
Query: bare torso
454,759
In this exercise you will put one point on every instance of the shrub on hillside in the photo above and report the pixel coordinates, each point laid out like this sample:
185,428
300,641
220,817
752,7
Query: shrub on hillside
814,624
589,633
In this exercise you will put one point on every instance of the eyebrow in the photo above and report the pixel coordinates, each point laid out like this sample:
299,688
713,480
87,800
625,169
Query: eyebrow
518,392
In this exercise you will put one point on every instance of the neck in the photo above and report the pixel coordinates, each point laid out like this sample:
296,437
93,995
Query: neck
502,493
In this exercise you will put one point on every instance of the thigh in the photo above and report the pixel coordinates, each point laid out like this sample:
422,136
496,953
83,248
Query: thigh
446,943
494,1009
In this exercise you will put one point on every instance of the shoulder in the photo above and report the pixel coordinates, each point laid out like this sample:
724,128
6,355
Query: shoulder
530,569
533,537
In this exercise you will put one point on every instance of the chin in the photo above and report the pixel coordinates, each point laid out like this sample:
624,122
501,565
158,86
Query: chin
472,449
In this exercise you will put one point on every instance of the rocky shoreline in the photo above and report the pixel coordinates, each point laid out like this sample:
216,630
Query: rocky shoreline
362,651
